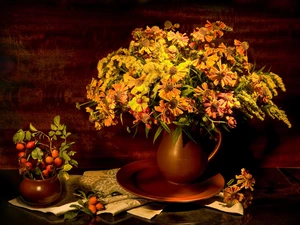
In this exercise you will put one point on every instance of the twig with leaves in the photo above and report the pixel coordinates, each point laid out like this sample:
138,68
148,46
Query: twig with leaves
88,203
42,155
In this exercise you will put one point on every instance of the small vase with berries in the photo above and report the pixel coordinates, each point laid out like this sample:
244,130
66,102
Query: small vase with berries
43,158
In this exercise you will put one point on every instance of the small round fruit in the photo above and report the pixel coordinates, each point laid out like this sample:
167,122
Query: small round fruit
99,206
23,160
21,154
28,165
20,146
30,144
55,153
49,160
49,168
58,162
92,208
93,200
45,173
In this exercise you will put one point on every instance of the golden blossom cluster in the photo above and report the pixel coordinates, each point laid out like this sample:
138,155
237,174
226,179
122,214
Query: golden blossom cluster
169,77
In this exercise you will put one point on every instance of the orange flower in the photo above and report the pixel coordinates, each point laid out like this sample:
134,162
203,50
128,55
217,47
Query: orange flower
231,195
241,47
178,38
245,179
199,34
222,75
206,59
227,52
213,108
169,88
144,116
166,115
120,92
231,122
228,101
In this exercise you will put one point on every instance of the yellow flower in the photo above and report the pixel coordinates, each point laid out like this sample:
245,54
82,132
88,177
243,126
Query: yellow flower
186,78
138,103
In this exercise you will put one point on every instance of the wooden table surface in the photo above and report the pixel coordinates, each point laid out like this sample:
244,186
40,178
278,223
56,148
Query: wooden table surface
276,202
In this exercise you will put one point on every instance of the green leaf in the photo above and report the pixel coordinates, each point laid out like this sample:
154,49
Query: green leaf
261,69
64,174
165,126
68,134
28,135
87,211
128,129
82,193
64,131
67,167
71,214
61,127
182,122
58,133
51,133
73,162
56,120
230,182
65,146
81,202
19,136
65,156
71,153
157,133
176,134
154,91
32,128
37,153
121,118
37,171
54,138
76,206
53,127
136,129
147,132
188,90
189,135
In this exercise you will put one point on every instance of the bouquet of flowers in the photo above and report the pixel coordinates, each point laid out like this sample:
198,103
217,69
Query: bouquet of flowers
168,77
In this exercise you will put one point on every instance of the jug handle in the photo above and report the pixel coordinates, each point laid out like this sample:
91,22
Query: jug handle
217,147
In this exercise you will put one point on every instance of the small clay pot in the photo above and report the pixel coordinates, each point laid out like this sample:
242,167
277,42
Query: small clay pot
40,192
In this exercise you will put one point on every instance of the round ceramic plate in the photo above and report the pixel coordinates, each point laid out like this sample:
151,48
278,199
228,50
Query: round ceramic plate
143,178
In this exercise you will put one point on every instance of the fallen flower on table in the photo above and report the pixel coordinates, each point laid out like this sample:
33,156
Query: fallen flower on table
232,190
231,195
245,179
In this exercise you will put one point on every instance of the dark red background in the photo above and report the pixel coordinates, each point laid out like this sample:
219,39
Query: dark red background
50,49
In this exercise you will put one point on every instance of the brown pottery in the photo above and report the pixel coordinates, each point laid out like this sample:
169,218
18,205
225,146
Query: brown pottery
40,192
183,163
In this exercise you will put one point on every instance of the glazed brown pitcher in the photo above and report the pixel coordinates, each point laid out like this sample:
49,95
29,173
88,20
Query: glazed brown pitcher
183,163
